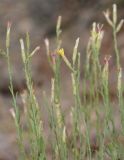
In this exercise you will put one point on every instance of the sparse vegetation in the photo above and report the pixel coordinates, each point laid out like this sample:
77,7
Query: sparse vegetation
95,98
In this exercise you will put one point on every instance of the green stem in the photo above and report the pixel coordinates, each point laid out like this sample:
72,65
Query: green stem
17,114
116,48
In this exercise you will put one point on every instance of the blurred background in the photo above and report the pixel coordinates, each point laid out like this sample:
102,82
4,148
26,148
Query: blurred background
39,17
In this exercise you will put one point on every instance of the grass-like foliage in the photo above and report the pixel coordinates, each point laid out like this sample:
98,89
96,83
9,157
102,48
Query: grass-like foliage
94,100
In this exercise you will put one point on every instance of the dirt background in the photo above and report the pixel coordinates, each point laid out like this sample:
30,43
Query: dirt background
38,17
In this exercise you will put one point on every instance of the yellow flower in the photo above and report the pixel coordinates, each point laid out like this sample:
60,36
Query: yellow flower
61,52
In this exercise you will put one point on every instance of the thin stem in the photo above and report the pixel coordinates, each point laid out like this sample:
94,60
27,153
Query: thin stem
116,48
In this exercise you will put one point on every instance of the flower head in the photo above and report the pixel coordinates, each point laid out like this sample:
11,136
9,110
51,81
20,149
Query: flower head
61,52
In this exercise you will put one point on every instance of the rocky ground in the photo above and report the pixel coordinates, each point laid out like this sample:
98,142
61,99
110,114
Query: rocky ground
38,17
